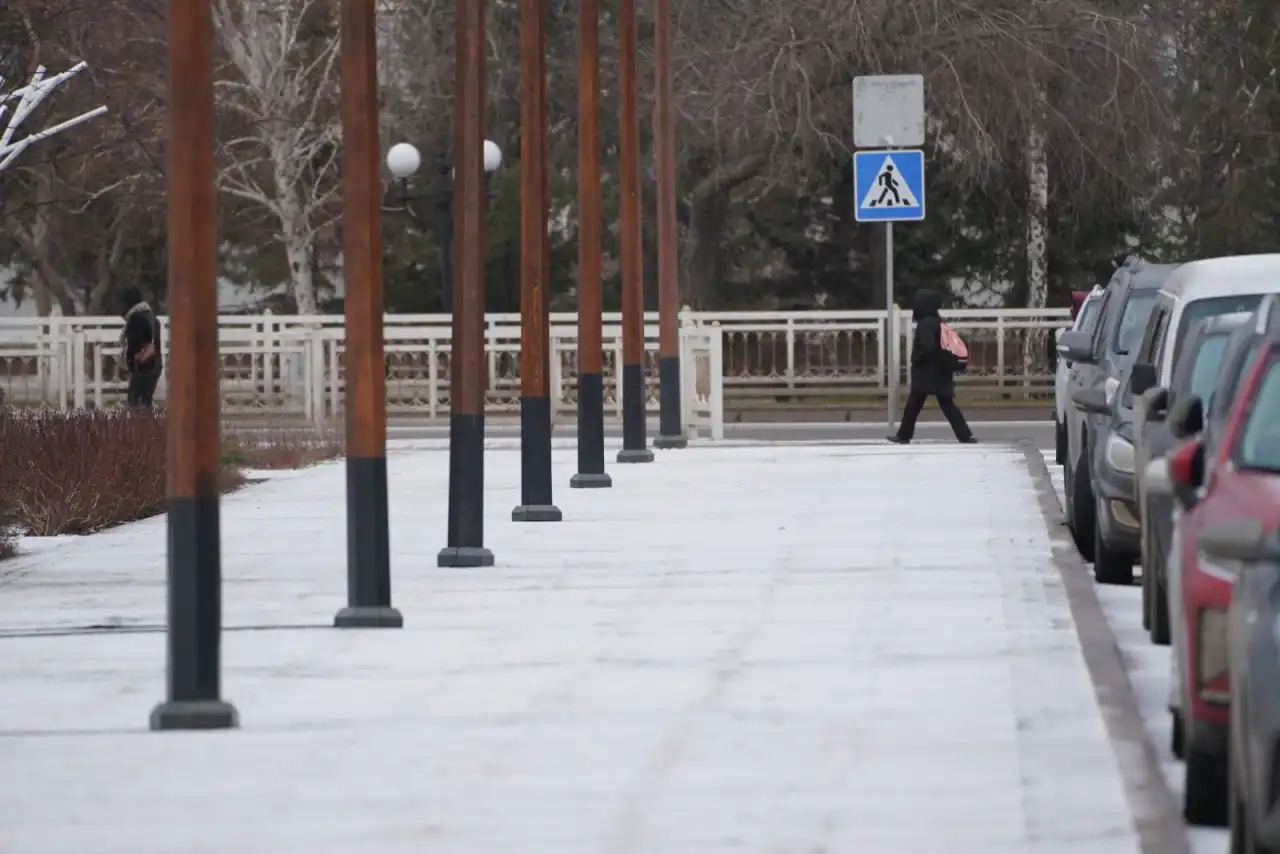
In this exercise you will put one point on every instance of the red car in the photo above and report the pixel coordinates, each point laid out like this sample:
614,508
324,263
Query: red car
1213,482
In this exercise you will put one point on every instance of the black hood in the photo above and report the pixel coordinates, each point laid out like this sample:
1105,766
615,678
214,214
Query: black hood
926,304
129,297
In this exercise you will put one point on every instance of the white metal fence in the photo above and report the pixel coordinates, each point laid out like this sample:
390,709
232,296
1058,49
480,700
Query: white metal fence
294,365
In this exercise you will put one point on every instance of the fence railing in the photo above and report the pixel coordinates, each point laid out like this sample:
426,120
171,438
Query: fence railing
294,365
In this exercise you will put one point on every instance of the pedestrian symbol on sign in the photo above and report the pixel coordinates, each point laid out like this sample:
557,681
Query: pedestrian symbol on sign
888,190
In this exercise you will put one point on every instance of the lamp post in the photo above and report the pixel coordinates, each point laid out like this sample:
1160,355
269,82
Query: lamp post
404,161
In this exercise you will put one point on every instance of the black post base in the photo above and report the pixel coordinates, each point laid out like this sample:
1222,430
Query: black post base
194,714
368,617
535,462
634,443
536,513
464,556
587,480
670,431
368,549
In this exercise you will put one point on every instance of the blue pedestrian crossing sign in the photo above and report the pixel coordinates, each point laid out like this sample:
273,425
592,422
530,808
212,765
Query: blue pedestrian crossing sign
888,186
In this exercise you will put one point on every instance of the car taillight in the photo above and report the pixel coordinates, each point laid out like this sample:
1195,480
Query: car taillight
1185,465
1212,683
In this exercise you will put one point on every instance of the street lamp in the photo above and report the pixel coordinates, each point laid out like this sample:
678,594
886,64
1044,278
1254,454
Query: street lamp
404,161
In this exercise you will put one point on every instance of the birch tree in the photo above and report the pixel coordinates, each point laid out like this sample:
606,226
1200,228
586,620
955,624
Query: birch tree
283,155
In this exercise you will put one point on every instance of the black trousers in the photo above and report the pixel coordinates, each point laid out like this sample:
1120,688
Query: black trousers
915,403
142,389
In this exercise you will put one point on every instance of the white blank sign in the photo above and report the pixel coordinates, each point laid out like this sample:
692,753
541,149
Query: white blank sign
888,110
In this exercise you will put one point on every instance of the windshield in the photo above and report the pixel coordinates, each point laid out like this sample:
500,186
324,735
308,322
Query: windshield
1204,373
1260,441
1134,319
1203,309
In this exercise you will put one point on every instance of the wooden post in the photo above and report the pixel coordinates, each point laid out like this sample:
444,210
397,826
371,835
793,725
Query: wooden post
368,535
467,365
632,387
536,503
670,429
591,473
193,698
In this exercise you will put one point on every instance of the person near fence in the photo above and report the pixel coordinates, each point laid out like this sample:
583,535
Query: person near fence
932,372
140,352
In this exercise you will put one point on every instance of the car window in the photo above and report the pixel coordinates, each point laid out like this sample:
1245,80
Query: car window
1088,315
1204,372
1203,309
1133,320
1260,439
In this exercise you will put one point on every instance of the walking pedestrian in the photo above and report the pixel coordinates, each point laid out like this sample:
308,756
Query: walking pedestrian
932,372
140,349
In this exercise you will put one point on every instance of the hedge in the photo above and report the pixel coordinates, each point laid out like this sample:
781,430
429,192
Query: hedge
76,473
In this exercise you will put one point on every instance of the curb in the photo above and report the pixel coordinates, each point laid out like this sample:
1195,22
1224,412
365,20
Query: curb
1156,816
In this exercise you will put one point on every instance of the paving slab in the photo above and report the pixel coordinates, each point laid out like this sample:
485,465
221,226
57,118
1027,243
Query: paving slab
754,649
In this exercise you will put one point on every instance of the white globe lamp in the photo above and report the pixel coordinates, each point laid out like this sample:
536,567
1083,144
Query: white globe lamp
492,156
403,160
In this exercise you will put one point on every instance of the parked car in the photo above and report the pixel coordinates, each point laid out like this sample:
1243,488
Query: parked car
1098,481
1084,313
1253,660
1235,482
1195,374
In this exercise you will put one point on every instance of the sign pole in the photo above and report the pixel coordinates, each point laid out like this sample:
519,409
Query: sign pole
890,328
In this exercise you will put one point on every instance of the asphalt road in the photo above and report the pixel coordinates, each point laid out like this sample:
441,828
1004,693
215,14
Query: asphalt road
1039,431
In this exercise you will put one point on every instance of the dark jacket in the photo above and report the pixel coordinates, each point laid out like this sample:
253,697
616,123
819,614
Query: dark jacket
141,328
931,371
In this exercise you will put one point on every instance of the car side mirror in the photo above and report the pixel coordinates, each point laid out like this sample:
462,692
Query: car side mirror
1142,378
1186,473
1155,403
1092,401
1187,417
1076,345
1242,539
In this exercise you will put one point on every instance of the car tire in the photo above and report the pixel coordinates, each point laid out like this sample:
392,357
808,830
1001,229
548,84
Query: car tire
1205,791
1177,745
1160,633
1060,432
1083,519
1108,566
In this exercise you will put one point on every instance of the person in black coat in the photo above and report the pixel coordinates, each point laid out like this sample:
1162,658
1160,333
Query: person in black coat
140,349
932,372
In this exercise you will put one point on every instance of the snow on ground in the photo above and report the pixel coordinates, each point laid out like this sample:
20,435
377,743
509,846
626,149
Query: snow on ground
1148,669
735,649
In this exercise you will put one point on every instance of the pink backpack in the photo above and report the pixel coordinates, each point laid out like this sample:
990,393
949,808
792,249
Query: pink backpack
954,345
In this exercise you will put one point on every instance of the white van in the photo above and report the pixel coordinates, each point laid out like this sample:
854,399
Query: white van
1195,291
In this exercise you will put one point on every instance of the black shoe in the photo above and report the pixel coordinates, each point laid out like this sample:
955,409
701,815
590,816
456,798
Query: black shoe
898,440
971,440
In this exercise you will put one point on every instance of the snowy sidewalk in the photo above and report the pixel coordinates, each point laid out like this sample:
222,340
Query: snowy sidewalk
769,649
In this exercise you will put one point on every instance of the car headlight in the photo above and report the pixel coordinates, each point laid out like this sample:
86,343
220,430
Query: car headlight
1110,387
1212,656
1120,454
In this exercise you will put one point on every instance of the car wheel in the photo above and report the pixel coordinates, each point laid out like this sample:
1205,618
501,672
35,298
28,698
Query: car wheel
1083,520
1060,431
1160,633
1176,739
1205,792
1108,566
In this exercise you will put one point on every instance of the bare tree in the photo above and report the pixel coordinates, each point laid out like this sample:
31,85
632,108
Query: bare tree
285,149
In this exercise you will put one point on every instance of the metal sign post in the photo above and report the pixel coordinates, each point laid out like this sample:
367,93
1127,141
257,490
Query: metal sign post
888,111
